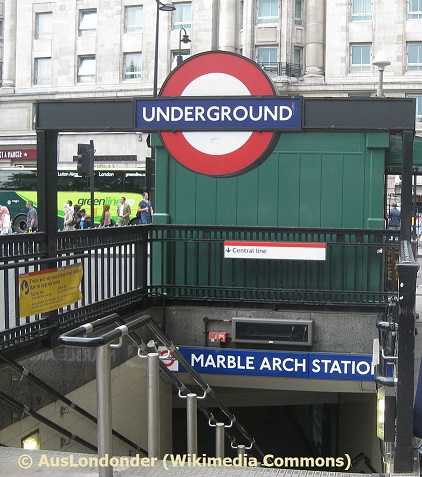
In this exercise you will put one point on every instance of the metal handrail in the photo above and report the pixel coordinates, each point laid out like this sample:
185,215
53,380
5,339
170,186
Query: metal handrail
72,405
30,412
178,383
74,338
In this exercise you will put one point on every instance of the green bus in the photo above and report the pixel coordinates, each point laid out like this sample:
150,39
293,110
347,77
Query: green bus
19,185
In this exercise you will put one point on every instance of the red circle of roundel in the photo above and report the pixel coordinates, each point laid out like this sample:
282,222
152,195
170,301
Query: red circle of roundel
259,144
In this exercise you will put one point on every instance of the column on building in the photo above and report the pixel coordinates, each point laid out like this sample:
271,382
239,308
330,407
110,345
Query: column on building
314,49
227,26
9,51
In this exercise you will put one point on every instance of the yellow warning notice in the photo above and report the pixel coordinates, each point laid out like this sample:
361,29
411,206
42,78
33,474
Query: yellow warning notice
49,290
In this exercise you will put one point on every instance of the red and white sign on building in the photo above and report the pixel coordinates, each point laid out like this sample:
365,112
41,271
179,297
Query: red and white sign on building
18,154
275,250
221,152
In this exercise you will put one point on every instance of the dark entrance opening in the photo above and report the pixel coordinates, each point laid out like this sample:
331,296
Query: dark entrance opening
283,431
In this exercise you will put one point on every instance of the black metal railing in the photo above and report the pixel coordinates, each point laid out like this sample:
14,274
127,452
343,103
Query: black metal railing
359,268
125,267
283,69
114,262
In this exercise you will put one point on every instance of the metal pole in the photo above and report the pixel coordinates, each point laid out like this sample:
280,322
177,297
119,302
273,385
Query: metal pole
219,439
179,56
192,424
241,450
380,92
153,405
157,27
403,451
104,426
91,179
406,187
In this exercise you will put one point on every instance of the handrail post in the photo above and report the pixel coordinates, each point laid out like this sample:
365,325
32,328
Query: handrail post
153,405
219,440
241,450
103,365
192,424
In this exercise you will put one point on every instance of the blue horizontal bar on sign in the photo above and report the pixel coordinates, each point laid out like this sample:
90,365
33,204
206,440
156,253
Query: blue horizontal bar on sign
218,114
294,364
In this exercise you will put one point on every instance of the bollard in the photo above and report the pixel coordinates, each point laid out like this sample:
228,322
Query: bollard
219,440
103,366
153,405
192,424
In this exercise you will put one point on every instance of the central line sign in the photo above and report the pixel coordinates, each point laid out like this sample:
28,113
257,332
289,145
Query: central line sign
275,250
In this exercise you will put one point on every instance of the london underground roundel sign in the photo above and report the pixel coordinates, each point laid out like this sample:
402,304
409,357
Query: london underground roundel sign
218,152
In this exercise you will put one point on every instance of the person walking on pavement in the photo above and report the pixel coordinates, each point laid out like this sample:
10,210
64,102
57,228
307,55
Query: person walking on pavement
145,210
32,217
394,216
123,212
68,218
6,226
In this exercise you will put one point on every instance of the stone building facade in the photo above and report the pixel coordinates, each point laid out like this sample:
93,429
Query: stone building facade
106,49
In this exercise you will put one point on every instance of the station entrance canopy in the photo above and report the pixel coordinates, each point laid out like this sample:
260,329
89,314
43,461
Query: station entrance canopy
219,114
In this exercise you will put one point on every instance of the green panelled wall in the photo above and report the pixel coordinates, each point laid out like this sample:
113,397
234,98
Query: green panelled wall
310,180
316,180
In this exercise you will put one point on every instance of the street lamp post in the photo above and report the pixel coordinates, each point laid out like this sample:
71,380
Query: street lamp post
163,7
184,40
381,61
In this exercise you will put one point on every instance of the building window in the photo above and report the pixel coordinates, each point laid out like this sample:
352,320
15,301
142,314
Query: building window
418,107
1,29
361,10
134,19
267,11
87,22
182,16
297,66
43,25
360,58
266,56
174,56
414,57
42,71
299,12
86,69
132,66
414,9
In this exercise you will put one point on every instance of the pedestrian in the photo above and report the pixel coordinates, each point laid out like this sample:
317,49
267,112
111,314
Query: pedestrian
85,222
76,216
123,212
394,217
71,205
31,217
68,218
106,220
6,226
145,210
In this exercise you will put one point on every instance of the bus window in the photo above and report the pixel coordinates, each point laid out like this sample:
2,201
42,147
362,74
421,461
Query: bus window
27,180
134,182
17,180
109,181
71,181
